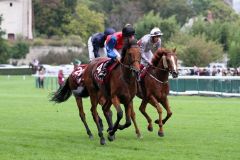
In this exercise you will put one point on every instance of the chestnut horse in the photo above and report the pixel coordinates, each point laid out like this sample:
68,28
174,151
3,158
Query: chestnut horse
120,88
154,86
63,94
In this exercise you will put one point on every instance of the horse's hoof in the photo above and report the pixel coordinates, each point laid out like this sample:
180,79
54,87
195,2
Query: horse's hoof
111,138
156,121
91,137
150,128
139,136
160,134
120,127
102,141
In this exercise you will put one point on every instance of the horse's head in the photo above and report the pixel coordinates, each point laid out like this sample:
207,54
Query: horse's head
131,55
166,60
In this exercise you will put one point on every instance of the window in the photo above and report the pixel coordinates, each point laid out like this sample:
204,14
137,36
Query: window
11,36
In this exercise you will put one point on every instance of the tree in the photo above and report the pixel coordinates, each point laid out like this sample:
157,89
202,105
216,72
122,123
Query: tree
167,8
3,46
51,15
234,54
196,50
84,22
168,26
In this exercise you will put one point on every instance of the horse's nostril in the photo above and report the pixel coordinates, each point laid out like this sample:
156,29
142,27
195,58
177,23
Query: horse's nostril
175,74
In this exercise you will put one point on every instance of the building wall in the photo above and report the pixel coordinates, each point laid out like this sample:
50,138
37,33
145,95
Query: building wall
17,17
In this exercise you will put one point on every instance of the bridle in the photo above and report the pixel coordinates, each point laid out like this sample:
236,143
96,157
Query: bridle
129,66
166,69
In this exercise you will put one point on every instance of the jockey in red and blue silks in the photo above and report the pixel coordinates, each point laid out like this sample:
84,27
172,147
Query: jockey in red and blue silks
114,44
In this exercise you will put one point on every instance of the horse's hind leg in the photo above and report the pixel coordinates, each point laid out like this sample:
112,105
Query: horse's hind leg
108,114
155,103
82,116
133,116
94,102
165,104
142,109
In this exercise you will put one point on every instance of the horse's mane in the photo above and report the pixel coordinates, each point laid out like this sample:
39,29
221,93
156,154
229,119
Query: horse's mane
158,55
127,44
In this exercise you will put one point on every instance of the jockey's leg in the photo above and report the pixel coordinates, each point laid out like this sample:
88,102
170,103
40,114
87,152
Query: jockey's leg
104,68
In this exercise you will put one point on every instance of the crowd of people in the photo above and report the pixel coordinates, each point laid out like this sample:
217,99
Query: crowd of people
213,71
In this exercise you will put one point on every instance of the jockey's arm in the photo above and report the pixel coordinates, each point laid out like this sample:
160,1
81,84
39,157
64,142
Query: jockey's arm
111,52
146,53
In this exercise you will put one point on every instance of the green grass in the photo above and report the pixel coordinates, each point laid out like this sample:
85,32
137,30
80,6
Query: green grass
33,128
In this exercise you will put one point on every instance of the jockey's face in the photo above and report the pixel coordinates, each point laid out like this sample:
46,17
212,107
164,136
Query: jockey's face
155,39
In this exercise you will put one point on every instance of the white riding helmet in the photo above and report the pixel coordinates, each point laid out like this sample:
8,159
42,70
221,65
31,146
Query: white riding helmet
156,32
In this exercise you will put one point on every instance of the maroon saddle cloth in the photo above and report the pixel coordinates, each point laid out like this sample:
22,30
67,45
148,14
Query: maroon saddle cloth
100,68
78,72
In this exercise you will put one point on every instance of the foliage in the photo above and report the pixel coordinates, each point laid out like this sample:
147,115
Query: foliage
215,31
19,49
234,54
51,15
3,46
168,26
85,22
196,50
167,8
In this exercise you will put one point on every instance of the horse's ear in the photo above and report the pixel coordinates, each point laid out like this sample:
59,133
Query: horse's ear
174,50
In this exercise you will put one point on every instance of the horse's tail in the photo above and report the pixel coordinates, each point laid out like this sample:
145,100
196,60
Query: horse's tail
62,94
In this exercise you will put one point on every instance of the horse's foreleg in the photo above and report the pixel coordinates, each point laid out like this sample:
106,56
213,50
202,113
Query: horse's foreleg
155,103
82,116
116,104
165,104
142,109
94,102
128,109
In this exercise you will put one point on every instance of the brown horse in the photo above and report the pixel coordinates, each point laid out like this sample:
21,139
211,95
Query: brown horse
63,94
154,86
120,88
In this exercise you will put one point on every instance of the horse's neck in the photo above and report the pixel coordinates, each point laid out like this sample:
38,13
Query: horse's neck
127,75
160,74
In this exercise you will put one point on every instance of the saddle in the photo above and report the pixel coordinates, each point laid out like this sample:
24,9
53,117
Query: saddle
78,72
108,71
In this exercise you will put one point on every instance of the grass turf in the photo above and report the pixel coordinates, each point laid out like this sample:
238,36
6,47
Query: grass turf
33,128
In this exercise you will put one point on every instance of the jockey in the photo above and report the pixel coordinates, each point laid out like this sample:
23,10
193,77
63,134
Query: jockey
96,44
148,43
95,49
114,46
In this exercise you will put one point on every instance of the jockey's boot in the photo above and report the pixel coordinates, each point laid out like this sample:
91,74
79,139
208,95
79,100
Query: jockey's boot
103,72
78,92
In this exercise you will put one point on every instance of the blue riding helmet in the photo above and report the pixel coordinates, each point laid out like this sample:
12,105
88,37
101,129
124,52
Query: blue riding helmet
109,31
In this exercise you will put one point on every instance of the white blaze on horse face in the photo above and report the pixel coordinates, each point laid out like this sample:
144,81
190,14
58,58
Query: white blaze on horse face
165,65
174,64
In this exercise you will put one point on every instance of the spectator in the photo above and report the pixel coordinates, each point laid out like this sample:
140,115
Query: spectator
41,76
60,78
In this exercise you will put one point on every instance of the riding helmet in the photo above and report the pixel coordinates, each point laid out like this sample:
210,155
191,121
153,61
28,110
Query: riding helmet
109,31
156,32
128,30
